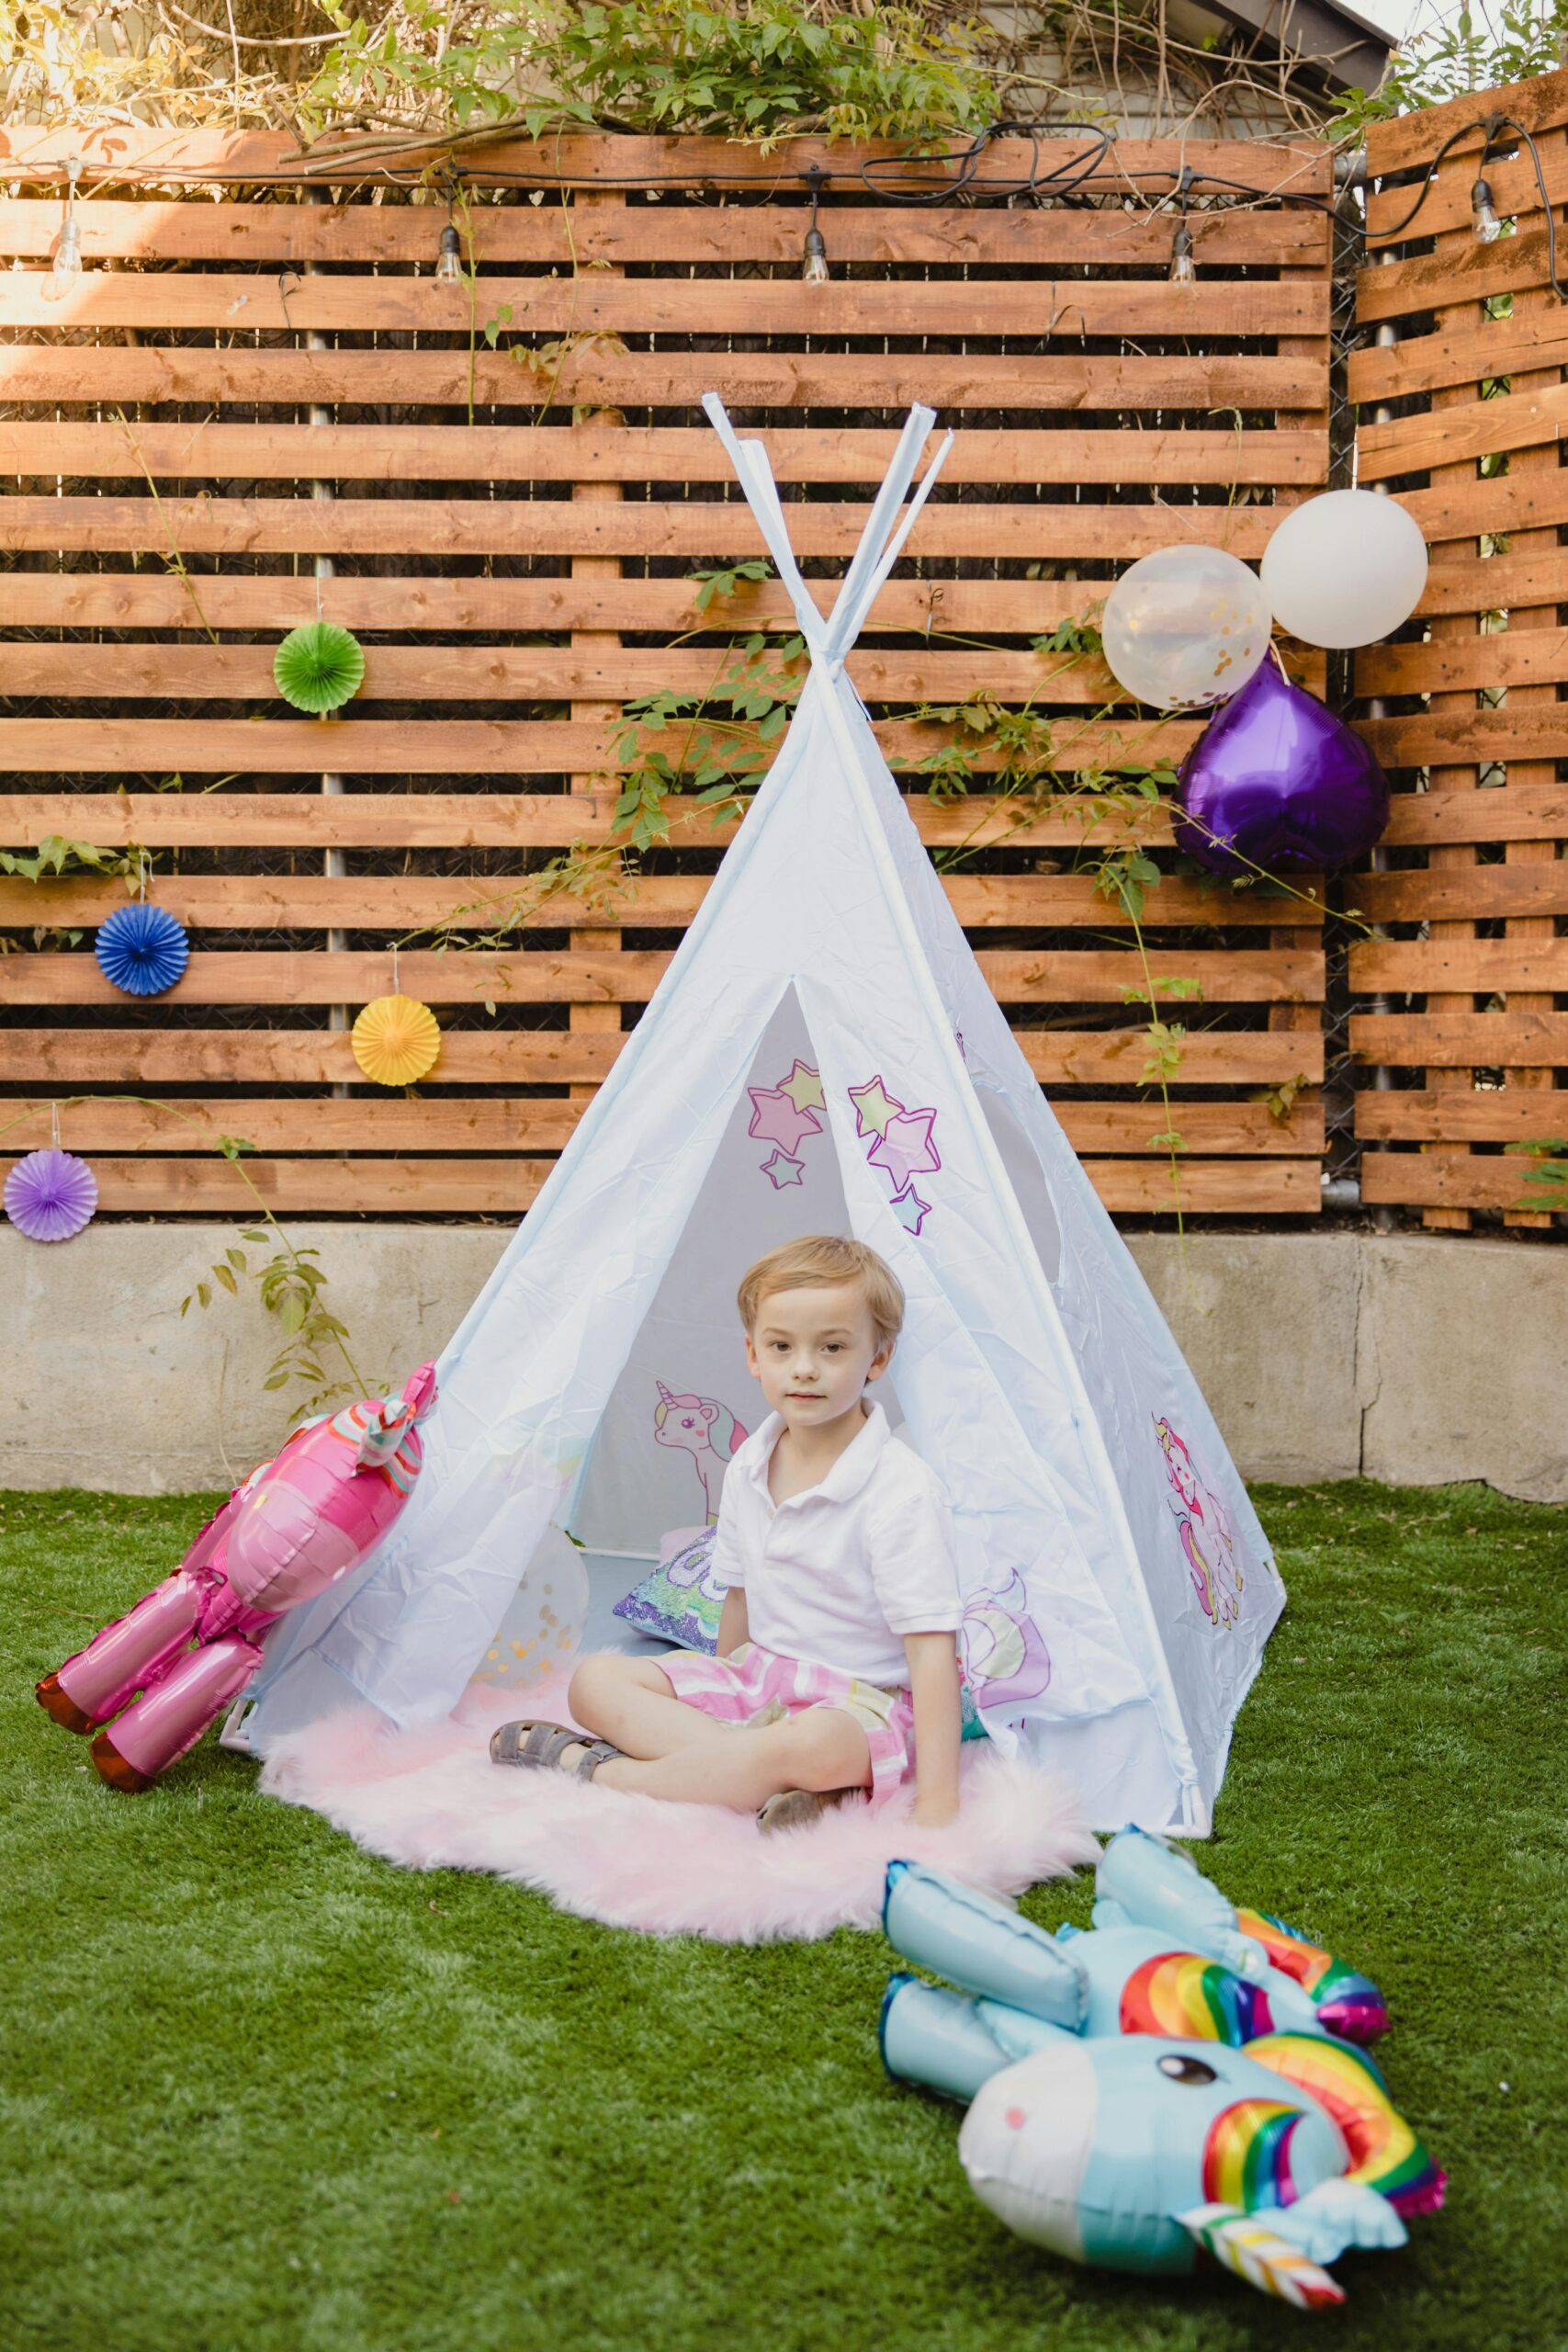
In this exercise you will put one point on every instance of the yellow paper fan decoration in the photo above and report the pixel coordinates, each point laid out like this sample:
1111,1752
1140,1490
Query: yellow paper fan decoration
396,1040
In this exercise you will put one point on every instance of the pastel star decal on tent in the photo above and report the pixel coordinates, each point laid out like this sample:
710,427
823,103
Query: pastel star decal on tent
910,1209
804,1086
874,1108
905,1148
781,1171
776,1119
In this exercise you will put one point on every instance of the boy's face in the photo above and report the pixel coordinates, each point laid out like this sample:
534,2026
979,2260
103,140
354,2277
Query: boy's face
814,1351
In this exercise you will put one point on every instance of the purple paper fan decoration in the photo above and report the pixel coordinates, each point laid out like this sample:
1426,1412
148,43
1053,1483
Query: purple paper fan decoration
142,949
51,1195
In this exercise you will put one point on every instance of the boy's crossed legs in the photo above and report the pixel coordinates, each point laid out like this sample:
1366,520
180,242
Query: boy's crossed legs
674,1750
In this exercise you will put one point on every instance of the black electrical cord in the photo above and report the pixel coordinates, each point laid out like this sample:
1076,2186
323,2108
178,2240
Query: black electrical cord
959,174
1489,126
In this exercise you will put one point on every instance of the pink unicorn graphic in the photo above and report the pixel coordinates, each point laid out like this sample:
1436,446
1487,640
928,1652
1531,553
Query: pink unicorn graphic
1206,1533
705,1430
1005,1657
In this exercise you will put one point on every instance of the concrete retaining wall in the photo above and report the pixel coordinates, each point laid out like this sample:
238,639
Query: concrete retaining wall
1413,1360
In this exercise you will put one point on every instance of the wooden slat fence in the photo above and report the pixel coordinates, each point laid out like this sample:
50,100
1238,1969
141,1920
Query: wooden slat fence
1461,994
251,407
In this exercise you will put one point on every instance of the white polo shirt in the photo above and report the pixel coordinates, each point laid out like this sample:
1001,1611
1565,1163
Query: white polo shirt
840,1574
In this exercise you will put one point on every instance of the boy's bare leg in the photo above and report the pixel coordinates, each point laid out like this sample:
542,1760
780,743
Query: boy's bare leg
628,1702
822,1748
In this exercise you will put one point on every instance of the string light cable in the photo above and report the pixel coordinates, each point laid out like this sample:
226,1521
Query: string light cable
1481,194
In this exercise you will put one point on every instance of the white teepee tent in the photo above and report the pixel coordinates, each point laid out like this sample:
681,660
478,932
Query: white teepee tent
823,1055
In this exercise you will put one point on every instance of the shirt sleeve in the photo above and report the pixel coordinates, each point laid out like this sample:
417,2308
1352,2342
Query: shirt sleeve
727,1566
914,1560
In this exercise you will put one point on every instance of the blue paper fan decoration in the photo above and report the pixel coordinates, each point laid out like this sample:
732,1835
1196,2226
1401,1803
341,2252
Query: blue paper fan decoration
142,949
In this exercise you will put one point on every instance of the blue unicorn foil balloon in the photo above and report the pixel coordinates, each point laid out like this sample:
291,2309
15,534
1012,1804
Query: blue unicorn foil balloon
1140,2107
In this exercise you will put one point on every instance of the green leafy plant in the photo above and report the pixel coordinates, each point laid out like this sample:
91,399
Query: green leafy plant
1455,56
758,69
1546,1183
56,859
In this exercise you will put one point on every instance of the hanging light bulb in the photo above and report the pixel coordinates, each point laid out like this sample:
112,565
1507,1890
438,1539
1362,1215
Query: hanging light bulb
67,262
1484,213
449,252
814,267
1183,269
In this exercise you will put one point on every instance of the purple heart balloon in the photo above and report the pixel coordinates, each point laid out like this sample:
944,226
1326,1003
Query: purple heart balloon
1276,780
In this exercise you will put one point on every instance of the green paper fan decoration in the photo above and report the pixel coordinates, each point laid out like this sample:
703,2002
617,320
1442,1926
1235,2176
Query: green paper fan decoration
319,666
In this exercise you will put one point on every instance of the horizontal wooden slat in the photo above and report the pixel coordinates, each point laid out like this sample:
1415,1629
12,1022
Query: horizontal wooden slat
126,154
592,376
1462,1040
899,235
1446,1180
1466,739
472,747
472,526
1517,657
431,1187
495,453
1454,892
261,301
649,902
1447,1114
1471,272
1525,501
532,975
1449,436
1446,966
523,674
81,600
1504,580
230,819
159,1057
441,1123
1429,362
1524,812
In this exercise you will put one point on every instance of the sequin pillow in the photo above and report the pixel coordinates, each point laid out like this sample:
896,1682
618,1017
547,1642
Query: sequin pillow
679,1602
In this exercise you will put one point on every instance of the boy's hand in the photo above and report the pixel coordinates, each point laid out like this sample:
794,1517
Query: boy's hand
933,1812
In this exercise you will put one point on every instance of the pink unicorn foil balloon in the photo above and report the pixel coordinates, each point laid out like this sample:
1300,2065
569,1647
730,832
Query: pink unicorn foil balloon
159,1677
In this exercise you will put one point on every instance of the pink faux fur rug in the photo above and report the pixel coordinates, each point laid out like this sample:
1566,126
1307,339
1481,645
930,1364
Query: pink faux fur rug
433,1800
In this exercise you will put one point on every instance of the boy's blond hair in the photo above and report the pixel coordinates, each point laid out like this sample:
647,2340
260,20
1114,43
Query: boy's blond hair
817,1261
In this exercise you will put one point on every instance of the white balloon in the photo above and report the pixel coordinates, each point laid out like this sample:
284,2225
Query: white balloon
1345,569
1185,627
544,1620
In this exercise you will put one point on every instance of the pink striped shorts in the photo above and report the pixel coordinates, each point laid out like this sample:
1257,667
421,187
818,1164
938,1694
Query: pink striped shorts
734,1689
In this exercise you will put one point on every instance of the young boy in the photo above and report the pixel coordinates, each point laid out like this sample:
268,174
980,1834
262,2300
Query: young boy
837,1651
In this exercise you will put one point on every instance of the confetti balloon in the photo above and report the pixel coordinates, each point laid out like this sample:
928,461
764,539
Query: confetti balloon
142,949
1275,781
51,1195
1185,627
1345,569
543,1626
319,667
396,1040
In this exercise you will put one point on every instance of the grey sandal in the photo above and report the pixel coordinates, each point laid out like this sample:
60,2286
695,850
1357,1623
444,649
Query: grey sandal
540,1747
795,1808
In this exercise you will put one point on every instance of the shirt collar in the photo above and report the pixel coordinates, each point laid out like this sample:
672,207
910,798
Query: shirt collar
848,1475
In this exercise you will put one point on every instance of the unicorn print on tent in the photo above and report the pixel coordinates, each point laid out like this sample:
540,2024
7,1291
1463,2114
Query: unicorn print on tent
816,1000
705,1430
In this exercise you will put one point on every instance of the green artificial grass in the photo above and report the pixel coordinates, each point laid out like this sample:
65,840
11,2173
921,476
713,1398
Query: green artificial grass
261,2093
